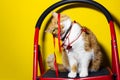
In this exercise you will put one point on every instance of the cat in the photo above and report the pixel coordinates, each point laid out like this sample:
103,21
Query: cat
81,51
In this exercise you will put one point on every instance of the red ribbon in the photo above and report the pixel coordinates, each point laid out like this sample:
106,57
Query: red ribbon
59,30
55,62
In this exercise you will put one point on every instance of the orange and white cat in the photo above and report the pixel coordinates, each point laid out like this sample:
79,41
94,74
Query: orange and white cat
81,51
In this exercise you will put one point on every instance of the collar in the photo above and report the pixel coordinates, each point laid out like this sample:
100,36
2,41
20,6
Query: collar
68,31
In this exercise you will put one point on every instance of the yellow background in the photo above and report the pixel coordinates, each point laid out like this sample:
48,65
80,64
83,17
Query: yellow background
17,25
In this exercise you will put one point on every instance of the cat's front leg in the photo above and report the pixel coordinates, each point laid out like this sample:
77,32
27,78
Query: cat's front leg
83,68
83,72
73,67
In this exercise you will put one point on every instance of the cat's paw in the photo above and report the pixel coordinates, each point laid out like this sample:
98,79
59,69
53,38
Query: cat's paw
72,74
83,74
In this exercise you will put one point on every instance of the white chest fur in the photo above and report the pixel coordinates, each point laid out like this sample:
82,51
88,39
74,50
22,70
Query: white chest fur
77,49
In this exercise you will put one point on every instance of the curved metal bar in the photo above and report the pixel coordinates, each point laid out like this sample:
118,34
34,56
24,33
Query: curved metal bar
60,3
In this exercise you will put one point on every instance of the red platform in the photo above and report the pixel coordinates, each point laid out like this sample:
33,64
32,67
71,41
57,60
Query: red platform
102,74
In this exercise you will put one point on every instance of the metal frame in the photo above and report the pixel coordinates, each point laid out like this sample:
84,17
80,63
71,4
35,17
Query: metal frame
115,57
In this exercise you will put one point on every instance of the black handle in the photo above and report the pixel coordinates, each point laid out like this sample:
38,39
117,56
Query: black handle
60,3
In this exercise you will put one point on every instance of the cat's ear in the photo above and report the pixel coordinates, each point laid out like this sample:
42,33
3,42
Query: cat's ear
54,14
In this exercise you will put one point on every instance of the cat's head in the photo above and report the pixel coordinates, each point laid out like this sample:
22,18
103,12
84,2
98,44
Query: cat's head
65,22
